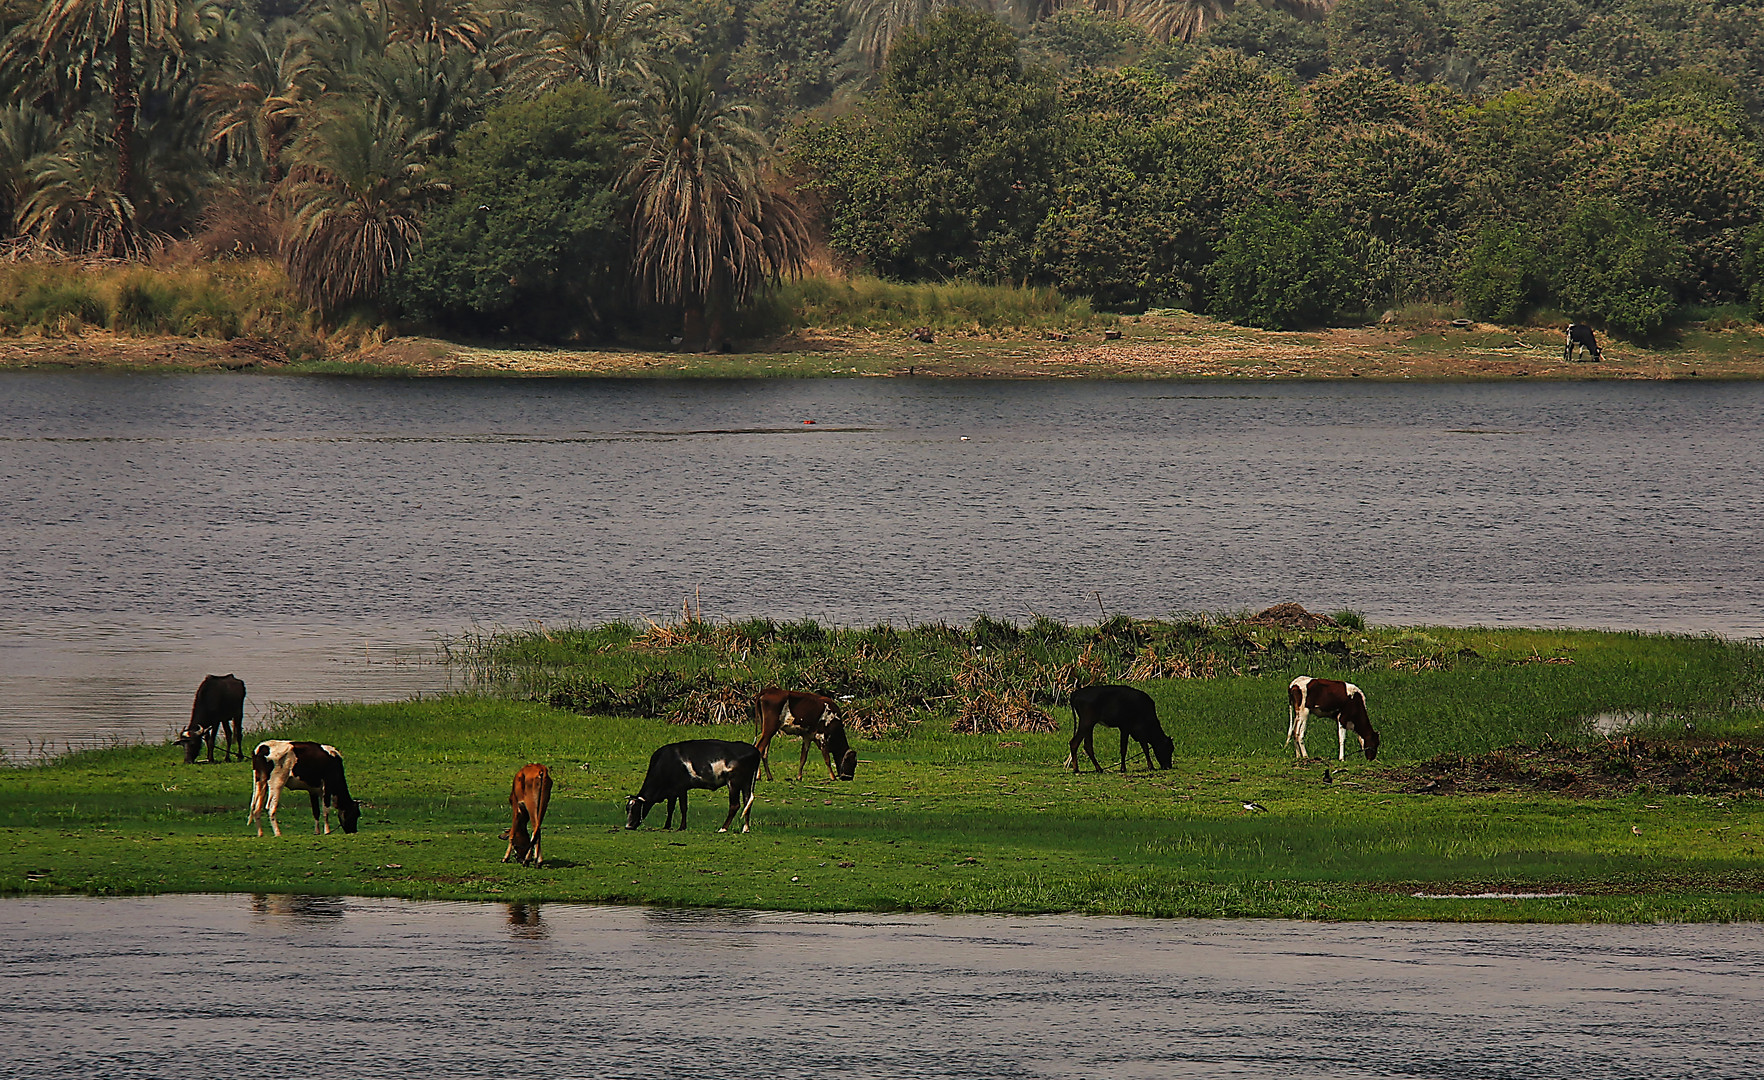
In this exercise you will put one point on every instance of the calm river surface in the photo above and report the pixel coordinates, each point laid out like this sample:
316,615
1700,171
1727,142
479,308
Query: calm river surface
319,536
232,986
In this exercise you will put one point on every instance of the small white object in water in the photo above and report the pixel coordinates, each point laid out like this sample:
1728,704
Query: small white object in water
964,438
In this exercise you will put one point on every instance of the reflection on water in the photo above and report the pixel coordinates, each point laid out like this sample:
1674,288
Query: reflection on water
207,986
526,923
298,905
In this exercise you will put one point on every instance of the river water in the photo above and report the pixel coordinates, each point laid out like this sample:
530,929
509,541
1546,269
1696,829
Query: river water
319,536
236,986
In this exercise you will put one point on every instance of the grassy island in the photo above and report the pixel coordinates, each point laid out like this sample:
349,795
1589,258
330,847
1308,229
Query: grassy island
1621,771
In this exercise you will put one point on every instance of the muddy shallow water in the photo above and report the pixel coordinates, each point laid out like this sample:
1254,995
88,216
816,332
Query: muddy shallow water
298,531
238,986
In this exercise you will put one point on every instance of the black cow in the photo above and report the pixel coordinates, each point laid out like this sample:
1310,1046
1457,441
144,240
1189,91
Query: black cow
220,703
314,768
1579,336
1124,707
679,767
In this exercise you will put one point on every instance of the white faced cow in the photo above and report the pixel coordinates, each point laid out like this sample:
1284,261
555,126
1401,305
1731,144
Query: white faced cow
304,766
679,767
1342,702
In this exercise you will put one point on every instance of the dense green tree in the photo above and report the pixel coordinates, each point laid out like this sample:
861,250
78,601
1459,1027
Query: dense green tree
1075,39
951,169
1285,267
1274,37
1617,266
599,42
531,239
1502,275
790,58
1404,37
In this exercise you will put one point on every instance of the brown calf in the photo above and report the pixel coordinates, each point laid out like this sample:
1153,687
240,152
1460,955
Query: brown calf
528,798
811,716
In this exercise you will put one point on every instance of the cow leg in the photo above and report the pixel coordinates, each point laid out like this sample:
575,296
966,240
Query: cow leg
317,801
1072,748
259,794
803,764
1341,742
1090,748
1146,747
827,756
208,737
275,803
734,807
1124,751
682,811
668,824
514,830
534,856
1299,718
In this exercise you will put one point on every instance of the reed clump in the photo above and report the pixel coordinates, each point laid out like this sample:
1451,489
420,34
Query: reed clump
869,303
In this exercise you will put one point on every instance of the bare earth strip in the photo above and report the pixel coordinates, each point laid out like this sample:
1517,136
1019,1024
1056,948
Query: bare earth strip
1151,347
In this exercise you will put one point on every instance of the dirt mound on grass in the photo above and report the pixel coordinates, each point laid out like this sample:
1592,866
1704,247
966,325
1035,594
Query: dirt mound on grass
1290,617
1613,767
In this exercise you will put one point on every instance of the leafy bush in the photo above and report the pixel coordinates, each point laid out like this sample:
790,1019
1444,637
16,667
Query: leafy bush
1273,37
144,305
1502,276
1283,267
531,240
1617,266
1754,264
57,307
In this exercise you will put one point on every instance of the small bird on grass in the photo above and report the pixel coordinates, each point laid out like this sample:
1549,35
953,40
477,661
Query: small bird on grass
1327,779
1635,830
1254,807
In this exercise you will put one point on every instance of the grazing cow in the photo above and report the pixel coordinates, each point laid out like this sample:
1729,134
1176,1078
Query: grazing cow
303,766
811,716
528,798
1124,707
220,703
679,767
1342,702
1579,336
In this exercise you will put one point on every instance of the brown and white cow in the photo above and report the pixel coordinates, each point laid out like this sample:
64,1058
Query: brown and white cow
812,716
1342,702
528,799
304,766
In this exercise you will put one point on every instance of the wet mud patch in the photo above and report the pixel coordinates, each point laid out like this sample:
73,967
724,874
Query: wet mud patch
1606,768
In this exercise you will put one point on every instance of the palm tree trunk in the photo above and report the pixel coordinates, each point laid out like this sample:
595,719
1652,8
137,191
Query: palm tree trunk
122,103
693,336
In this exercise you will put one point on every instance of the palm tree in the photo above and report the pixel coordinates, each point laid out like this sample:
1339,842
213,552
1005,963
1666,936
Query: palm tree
26,134
256,93
1183,19
706,228
598,42
438,22
74,197
357,188
877,23
95,28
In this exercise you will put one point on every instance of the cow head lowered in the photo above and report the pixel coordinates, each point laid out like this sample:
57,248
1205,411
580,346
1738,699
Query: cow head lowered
679,767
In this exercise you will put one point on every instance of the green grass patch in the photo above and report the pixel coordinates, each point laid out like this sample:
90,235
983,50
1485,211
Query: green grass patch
938,820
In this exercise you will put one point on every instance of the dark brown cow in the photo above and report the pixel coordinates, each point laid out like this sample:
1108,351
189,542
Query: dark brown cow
811,716
304,766
1125,707
220,703
1342,702
528,799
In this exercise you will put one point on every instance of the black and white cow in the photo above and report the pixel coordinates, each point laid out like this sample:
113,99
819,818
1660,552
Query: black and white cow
220,703
1579,336
708,764
1342,702
304,766
1124,707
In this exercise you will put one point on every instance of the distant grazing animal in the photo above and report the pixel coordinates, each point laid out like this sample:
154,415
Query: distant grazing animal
304,766
1579,336
811,716
1342,702
679,767
220,703
1124,707
528,798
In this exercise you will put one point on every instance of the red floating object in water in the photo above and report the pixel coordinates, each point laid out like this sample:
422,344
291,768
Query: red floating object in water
808,421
